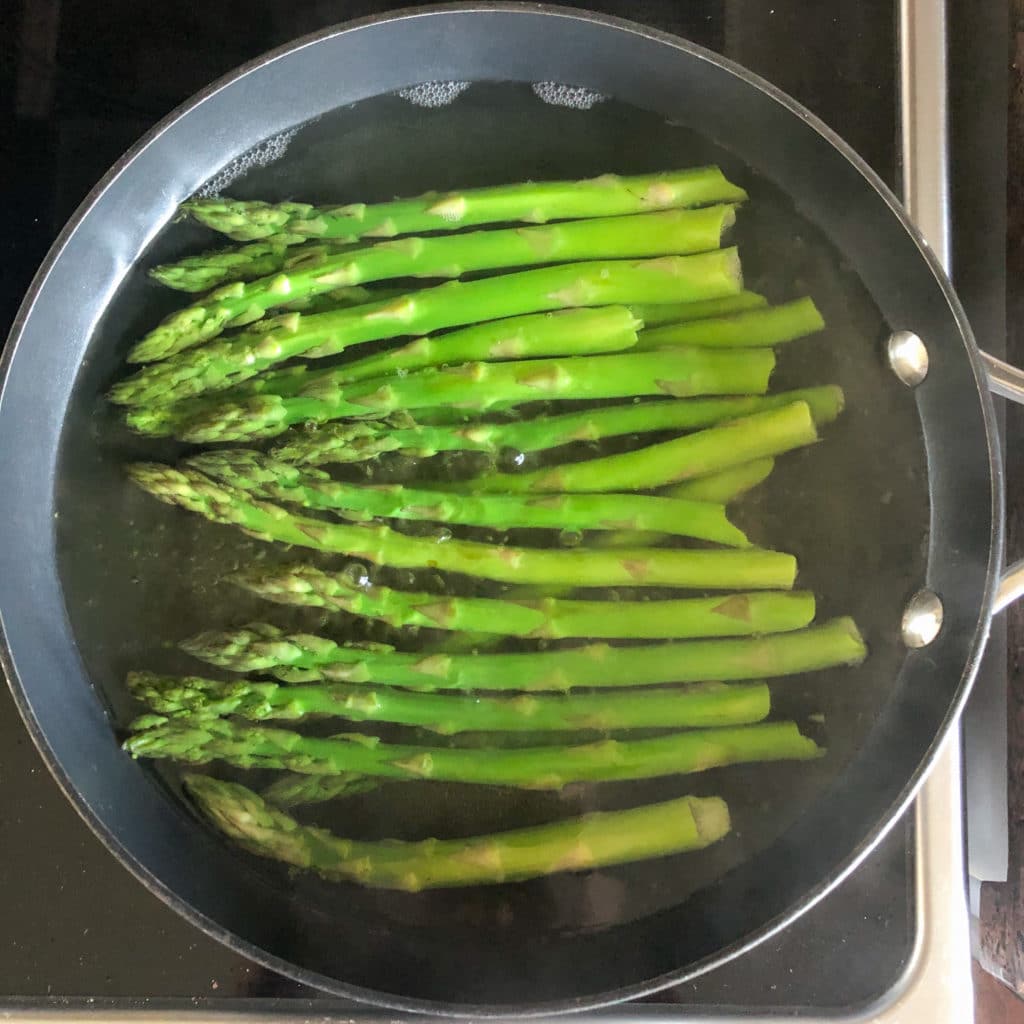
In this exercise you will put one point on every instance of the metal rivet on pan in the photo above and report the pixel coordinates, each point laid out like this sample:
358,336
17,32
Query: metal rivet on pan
908,357
922,619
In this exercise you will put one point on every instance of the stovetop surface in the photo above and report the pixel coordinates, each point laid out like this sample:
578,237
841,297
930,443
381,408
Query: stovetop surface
80,82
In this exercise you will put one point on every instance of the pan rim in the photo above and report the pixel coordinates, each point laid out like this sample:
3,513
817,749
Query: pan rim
894,813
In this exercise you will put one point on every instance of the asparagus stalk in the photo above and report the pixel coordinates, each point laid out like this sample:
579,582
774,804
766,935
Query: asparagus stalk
725,486
226,362
548,618
713,704
717,488
563,332
480,386
692,455
342,298
263,477
292,789
751,569
754,327
306,658
360,441
235,263
240,263
654,315
594,840
239,303
548,767
534,202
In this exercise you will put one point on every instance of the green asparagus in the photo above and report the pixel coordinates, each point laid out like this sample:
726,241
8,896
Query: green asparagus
725,486
291,789
594,840
225,362
481,386
717,488
755,327
302,657
236,263
713,704
308,586
263,477
245,263
563,332
239,303
548,767
654,315
360,441
533,202
566,332
750,568
692,455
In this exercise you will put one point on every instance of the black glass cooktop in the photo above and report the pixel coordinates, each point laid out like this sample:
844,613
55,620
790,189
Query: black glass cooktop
82,80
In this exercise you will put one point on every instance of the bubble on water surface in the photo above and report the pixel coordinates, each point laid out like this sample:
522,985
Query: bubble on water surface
261,155
559,94
433,94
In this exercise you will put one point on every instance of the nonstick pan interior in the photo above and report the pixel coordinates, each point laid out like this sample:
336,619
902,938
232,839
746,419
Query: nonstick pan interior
137,576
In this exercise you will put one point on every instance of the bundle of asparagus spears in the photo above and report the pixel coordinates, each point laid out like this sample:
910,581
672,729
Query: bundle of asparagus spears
595,595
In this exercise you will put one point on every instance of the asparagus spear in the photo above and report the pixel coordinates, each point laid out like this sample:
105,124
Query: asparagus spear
239,303
768,326
342,298
653,315
305,658
680,618
263,477
548,767
725,486
226,362
480,386
358,442
563,332
717,488
725,570
235,263
574,844
292,789
534,202
713,704
692,455
239,263
756,329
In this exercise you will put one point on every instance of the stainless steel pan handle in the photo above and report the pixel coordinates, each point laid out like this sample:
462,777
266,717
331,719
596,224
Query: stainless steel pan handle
1008,382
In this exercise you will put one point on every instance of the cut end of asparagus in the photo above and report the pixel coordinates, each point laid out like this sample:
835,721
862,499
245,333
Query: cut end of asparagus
710,818
856,648
728,222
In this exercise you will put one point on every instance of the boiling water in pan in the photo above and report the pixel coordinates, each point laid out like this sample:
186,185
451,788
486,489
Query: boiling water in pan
139,576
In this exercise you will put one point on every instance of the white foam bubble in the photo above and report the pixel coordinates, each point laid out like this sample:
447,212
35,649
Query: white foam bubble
261,155
559,94
433,94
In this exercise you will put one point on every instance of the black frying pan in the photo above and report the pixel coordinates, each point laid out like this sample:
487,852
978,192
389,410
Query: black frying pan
95,577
